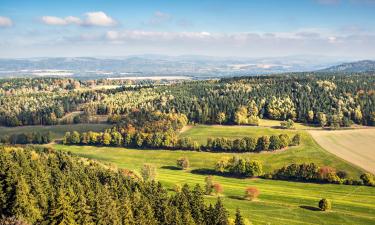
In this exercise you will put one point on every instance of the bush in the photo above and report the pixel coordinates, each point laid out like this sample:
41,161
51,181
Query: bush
325,204
368,179
296,140
251,193
289,124
342,174
183,163
209,185
284,140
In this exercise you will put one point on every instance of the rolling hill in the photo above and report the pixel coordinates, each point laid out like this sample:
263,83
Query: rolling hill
358,66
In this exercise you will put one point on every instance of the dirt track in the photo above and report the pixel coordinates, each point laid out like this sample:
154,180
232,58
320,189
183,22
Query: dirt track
355,146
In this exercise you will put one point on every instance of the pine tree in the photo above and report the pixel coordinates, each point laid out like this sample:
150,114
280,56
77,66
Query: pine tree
221,214
62,212
83,213
106,208
239,219
24,204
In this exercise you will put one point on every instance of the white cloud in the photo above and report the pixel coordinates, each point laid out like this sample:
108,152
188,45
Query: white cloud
52,20
137,35
90,19
99,19
5,22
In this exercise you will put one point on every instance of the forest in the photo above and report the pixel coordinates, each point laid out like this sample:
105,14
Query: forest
322,99
42,186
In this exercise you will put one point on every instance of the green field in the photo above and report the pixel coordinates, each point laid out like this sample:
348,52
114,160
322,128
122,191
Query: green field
57,131
280,202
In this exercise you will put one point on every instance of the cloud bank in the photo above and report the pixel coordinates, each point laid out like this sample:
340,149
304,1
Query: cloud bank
90,19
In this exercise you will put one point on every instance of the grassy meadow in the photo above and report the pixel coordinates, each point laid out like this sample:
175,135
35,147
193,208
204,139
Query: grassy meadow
280,202
57,131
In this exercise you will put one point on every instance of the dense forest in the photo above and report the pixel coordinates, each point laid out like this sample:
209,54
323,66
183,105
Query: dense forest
41,186
318,98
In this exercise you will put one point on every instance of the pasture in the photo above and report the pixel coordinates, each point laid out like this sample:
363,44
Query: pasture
356,146
280,202
57,131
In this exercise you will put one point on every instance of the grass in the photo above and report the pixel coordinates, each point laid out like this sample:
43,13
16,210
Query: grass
308,151
200,133
280,202
57,131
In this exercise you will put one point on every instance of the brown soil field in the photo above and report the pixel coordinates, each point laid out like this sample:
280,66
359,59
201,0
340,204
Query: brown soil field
356,146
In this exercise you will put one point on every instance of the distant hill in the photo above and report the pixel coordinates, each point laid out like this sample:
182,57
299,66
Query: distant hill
159,65
359,66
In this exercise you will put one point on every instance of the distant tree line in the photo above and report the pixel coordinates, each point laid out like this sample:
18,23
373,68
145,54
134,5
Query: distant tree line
41,186
27,138
313,173
170,140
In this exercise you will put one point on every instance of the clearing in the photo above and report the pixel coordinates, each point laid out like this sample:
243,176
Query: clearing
57,131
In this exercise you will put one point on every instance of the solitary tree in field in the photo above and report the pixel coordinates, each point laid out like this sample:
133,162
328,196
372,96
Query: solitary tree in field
183,163
218,188
251,193
325,204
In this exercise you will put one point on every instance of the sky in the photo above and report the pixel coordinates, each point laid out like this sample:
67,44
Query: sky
232,28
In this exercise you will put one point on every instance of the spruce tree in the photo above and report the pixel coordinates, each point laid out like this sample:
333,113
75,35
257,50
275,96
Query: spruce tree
221,213
24,205
239,219
62,212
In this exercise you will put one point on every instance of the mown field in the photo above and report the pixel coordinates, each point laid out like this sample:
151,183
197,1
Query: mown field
280,202
356,146
57,131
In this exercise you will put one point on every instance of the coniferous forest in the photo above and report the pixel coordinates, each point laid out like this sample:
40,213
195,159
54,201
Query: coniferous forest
41,186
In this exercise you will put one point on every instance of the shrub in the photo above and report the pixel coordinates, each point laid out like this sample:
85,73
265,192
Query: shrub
209,185
368,179
296,140
263,143
324,171
274,142
222,164
251,193
289,124
333,178
183,163
342,174
148,172
325,204
284,140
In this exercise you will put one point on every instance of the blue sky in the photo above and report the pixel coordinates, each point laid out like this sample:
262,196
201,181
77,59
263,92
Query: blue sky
342,28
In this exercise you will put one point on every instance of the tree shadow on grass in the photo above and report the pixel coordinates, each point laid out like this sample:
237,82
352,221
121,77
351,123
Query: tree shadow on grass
236,197
311,208
170,167
206,171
